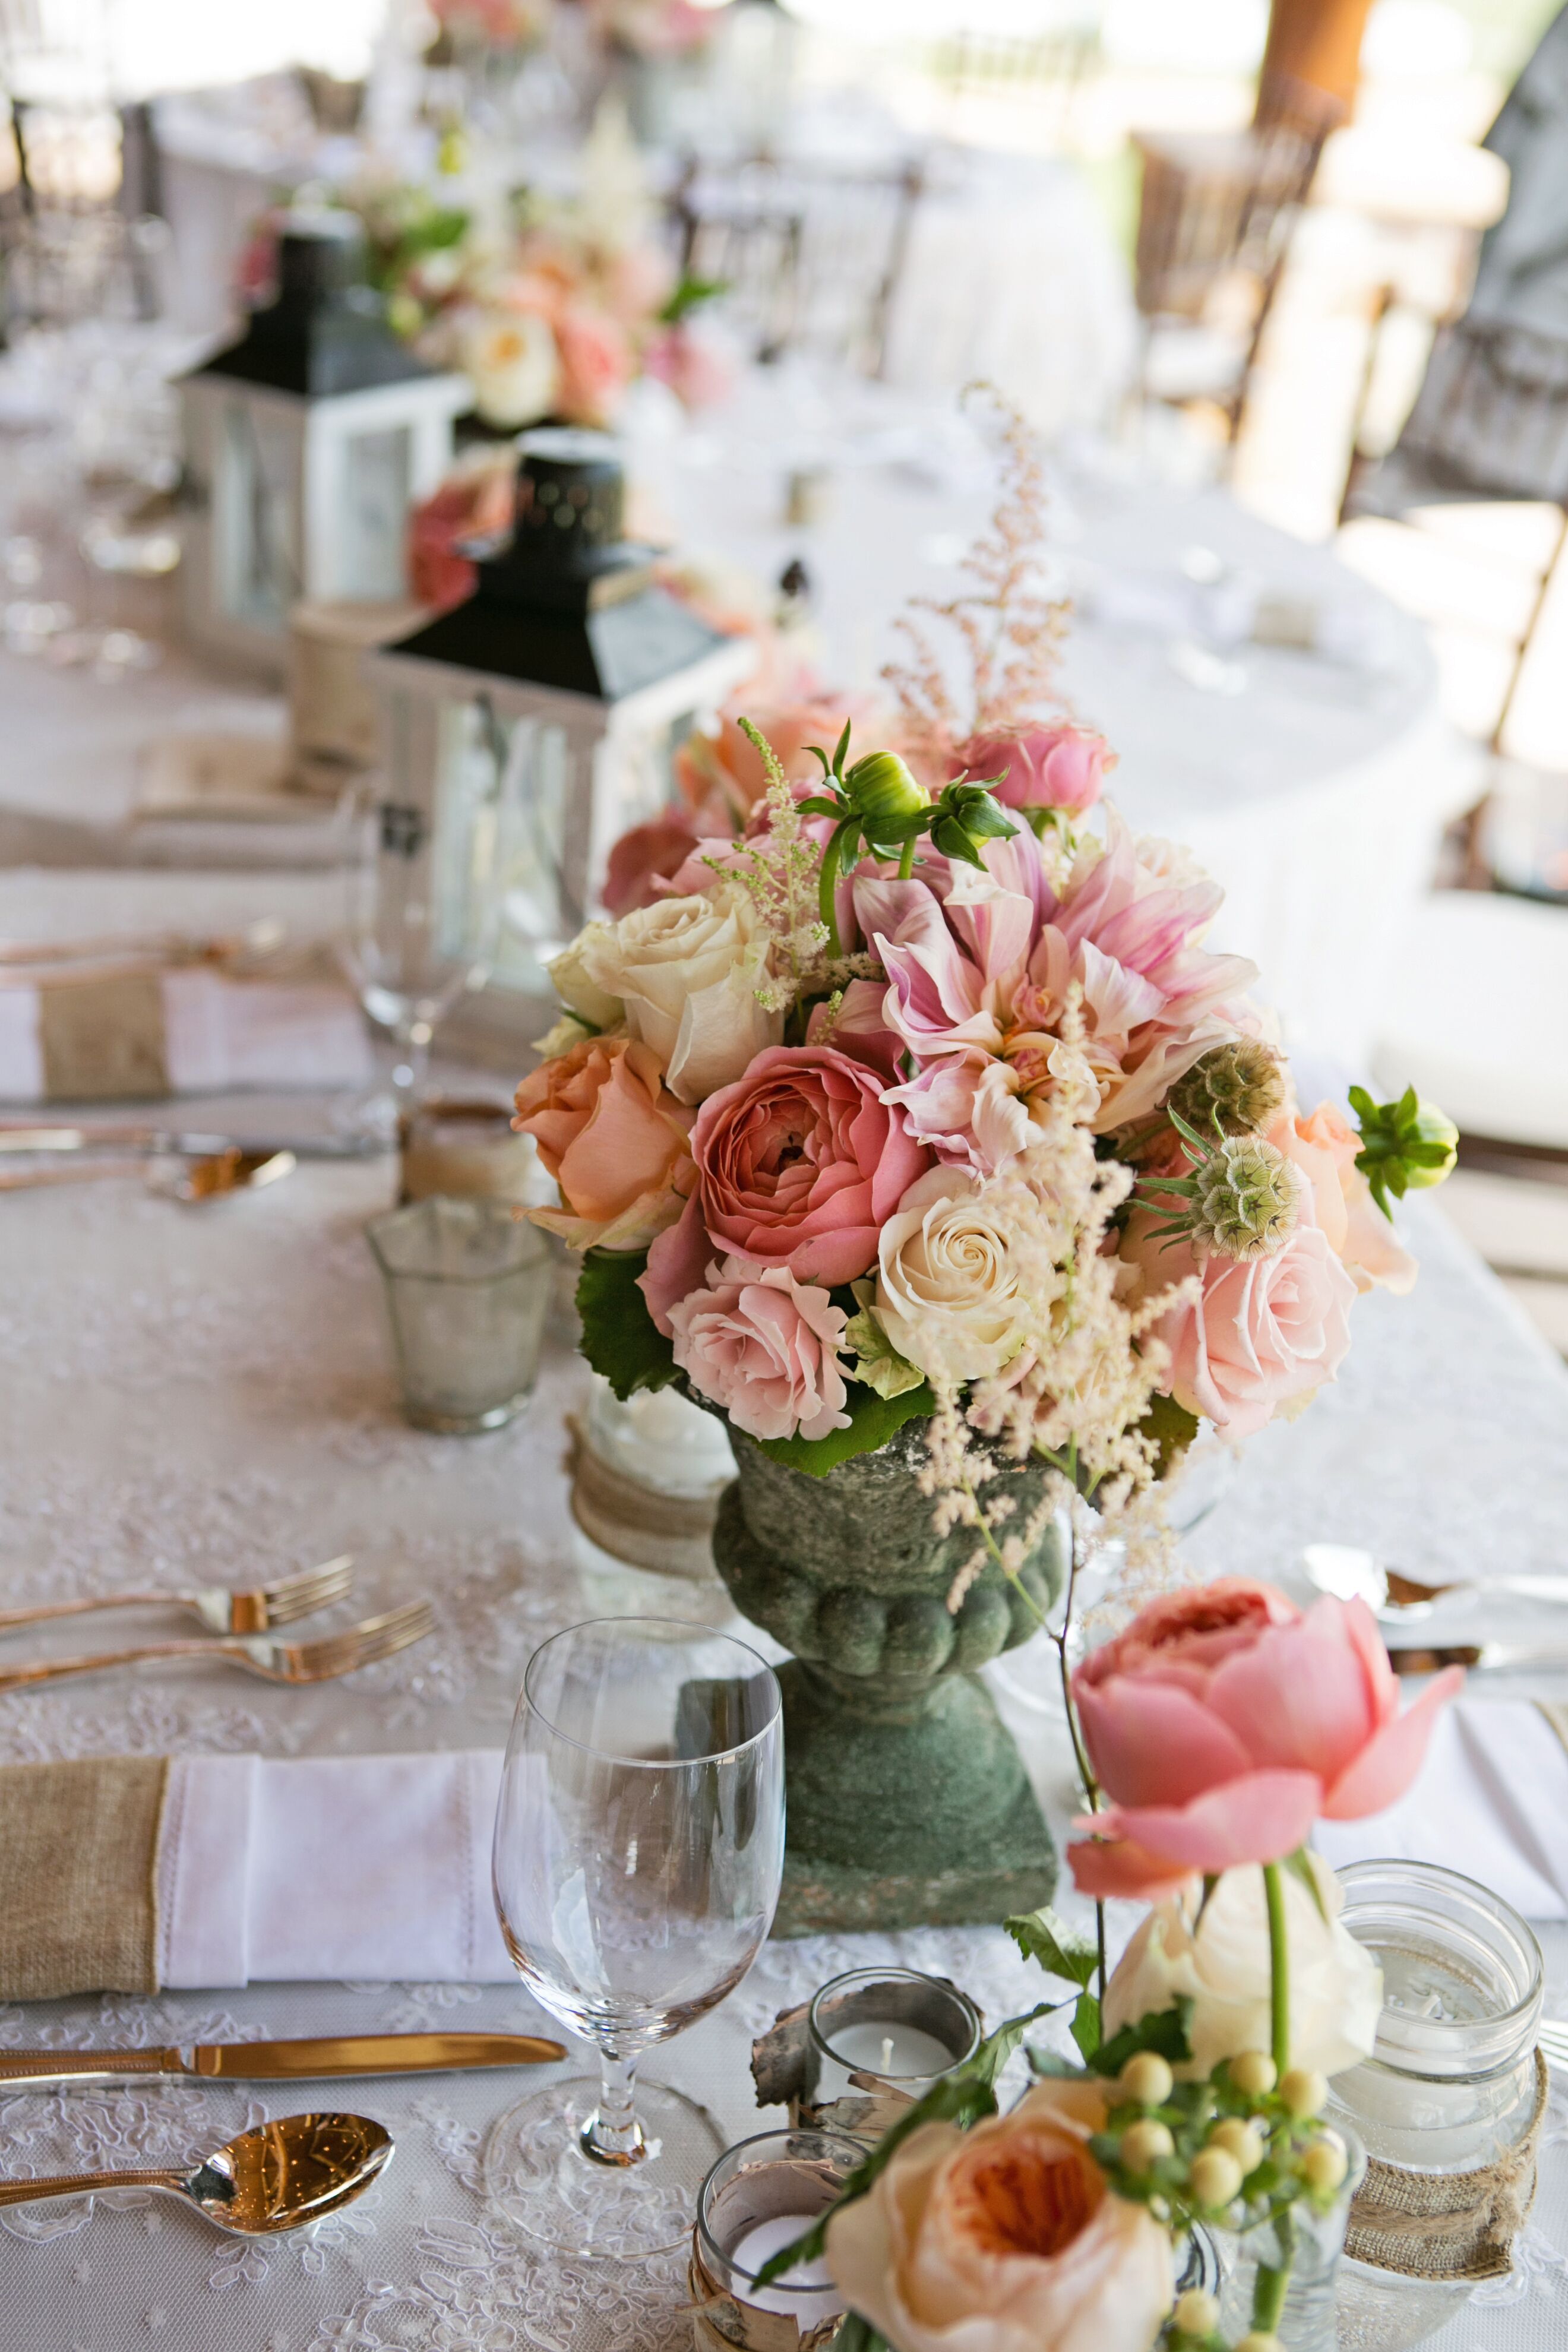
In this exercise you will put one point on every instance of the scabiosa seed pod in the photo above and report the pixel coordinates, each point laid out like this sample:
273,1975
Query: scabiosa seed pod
1245,1199
1237,1088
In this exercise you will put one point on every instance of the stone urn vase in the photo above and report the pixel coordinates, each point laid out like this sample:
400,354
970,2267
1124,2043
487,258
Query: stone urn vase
907,1801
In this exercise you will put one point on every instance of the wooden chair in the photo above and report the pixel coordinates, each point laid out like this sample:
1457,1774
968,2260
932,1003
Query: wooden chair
809,261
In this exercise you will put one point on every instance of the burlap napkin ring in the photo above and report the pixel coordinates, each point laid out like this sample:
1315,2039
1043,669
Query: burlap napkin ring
722,2324
1449,2225
101,1037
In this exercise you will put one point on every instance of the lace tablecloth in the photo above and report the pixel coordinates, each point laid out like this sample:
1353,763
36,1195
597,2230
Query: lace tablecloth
198,1394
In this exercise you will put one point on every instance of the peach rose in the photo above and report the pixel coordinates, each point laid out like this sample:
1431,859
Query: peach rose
722,777
765,1347
595,365
1007,2238
614,1138
1324,1148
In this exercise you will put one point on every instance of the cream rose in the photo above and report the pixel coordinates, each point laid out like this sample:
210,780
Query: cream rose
511,361
685,971
573,984
1007,2237
947,1287
1220,1962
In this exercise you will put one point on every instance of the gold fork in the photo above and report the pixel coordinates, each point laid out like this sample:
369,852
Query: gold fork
274,1661
223,1611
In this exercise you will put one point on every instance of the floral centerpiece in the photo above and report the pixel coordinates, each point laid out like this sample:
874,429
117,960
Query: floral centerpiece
1220,1724
914,1120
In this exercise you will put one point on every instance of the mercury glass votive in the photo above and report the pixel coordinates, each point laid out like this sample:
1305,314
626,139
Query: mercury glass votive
468,1289
903,2028
1451,2087
761,2195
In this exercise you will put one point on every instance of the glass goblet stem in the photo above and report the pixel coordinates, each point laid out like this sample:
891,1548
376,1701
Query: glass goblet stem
611,2134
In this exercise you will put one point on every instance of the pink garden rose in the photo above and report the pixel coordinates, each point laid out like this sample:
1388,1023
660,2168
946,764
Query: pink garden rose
644,860
596,364
1223,1722
800,1164
1060,766
1261,1334
765,1347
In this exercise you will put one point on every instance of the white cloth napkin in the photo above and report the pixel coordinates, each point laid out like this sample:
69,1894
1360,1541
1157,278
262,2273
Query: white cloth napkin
372,1869
219,1034
1491,1802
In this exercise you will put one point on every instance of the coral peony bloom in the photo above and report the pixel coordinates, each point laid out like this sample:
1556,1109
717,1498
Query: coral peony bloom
1223,1722
1007,2238
614,1138
799,1163
1215,1954
1060,767
722,776
765,1347
1324,1148
596,364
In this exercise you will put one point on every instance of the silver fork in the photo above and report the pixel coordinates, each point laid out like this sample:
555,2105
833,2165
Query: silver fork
276,1662
255,1611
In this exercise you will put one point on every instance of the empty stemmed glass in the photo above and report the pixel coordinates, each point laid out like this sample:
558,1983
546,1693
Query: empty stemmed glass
638,1847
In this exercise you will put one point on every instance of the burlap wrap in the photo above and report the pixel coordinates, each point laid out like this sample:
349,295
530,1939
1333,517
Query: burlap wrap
671,1534
78,1849
1452,2225
102,1038
720,2324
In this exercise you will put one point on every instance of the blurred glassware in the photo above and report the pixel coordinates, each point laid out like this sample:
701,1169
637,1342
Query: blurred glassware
638,1849
468,1289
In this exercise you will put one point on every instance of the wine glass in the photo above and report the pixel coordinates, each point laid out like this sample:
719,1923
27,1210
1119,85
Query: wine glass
638,1847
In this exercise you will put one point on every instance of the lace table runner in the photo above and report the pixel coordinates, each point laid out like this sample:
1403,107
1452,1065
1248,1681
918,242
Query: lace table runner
192,1397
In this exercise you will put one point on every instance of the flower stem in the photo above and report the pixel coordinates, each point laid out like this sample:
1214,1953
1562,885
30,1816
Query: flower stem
824,906
907,859
1278,1966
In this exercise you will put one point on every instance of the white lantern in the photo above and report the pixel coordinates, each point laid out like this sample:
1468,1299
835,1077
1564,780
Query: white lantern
306,444
561,686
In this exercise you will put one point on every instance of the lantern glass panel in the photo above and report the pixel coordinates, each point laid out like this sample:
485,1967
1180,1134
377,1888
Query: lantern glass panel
378,470
257,528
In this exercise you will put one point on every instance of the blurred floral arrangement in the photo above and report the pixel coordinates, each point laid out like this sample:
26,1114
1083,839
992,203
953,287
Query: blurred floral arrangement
1211,1733
465,29
651,28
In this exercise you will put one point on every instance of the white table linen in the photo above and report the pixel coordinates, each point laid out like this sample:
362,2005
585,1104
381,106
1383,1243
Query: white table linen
186,1398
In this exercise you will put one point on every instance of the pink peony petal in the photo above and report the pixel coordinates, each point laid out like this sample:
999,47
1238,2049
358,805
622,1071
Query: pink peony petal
1298,1698
1260,1817
1387,1765
676,1263
1105,1869
1151,1743
1360,1629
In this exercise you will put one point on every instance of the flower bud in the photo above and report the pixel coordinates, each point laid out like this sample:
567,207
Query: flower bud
1213,2177
1303,2091
1433,1128
881,788
1240,2139
1143,2144
1253,2072
1197,2313
1146,2081
1324,2165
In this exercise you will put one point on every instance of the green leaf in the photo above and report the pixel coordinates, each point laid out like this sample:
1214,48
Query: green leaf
858,2335
878,1362
1300,1866
690,294
620,1338
1164,2031
997,2047
873,1420
1050,2065
1085,2028
1042,1936
1173,1428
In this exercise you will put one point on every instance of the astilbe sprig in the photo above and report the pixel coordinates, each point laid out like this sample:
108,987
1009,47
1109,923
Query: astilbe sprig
778,867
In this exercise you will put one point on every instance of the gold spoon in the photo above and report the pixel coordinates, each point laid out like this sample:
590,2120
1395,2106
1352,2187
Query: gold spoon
206,1176
271,2179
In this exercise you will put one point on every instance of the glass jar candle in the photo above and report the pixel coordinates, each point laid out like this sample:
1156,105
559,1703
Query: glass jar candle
894,2024
1451,2085
759,2197
647,1477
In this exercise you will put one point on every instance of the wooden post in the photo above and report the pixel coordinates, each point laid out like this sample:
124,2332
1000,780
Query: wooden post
1316,43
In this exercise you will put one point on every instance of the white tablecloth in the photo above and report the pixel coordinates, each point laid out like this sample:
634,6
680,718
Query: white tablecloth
195,1394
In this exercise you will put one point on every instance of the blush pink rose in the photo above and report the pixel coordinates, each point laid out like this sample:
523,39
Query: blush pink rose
1324,1148
1060,767
800,1164
646,857
1223,1722
765,1347
1260,1334
596,364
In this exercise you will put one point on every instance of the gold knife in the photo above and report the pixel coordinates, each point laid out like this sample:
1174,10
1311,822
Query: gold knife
1479,1657
284,2062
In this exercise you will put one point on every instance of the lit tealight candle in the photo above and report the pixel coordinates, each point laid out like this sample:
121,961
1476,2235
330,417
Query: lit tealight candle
760,2197
904,2029
902,2054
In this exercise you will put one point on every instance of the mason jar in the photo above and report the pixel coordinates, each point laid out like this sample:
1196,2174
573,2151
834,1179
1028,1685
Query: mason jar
1451,2086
